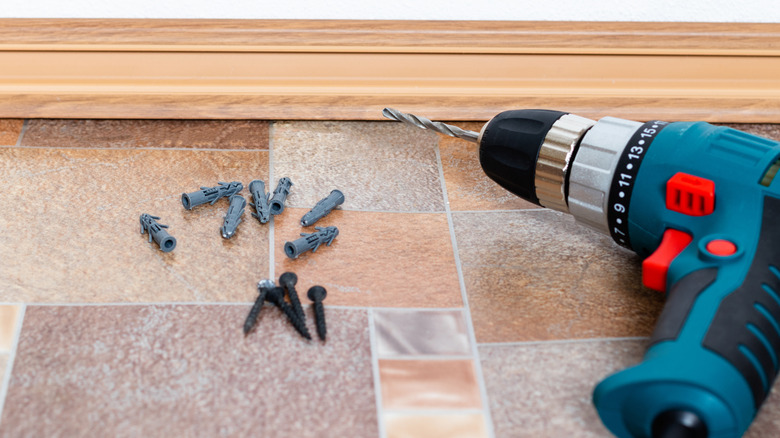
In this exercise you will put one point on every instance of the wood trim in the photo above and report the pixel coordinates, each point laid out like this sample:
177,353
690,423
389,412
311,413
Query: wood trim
304,69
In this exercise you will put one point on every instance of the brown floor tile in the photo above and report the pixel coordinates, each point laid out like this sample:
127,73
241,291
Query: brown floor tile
468,188
435,426
420,332
9,317
378,259
537,275
188,371
767,422
77,238
545,390
203,134
10,130
378,166
429,384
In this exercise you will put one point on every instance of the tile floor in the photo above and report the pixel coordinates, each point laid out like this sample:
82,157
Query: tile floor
454,308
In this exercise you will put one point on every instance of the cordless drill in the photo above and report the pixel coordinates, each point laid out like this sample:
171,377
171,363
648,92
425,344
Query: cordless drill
700,204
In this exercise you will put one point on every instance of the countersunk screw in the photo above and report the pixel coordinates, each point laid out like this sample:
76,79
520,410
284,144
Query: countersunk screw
276,296
316,294
251,319
288,280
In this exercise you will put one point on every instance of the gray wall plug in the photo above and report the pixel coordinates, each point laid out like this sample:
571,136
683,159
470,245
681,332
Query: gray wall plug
322,208
280,195
233,216
310,242
210,194
260,199
157,232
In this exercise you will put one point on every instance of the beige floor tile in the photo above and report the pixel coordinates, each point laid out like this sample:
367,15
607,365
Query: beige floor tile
420,332
9,318
435,426
468,188
378,259
539,276
378,166
429,384
10,130
202,134
76,235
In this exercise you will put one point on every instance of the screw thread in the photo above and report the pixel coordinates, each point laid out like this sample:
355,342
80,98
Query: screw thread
299,324
251,319
319,319
295,301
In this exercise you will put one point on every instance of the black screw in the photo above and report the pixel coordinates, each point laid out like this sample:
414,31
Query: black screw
316,295
251,319
288,280
276,296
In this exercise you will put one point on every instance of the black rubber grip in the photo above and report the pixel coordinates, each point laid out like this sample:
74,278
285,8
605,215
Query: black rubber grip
746,326
679,302
510,147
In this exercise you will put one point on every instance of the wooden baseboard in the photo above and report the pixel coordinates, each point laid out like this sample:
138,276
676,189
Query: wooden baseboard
337,70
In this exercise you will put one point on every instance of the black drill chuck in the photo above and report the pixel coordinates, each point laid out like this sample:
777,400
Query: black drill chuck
509,148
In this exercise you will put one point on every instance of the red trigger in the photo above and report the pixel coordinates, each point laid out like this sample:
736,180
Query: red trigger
655,267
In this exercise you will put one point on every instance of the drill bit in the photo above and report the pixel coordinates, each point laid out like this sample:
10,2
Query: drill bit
422,122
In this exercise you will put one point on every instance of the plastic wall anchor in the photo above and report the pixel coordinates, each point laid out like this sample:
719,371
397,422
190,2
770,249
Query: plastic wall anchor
260,201
310,242
157,232
233,216
210,194
280,196
322,208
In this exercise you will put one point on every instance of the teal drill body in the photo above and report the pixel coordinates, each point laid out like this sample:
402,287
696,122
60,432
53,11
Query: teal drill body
701,205
715,349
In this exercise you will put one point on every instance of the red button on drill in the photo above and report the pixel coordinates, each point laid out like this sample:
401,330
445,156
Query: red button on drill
655,267
690,194
721,247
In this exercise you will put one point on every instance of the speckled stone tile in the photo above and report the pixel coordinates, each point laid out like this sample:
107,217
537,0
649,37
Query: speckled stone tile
10,130
420,332
435,426
3,366
767,422
429,384
188,371
760,129
545,390
203,134
378,259
9,317
76,235
379,166
468,188
536,275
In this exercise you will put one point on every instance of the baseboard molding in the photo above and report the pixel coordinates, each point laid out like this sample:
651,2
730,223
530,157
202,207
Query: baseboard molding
338,70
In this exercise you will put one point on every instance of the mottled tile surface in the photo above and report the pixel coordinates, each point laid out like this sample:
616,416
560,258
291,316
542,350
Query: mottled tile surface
188,371
421,332
77,237
468,188
3,365
378,166
378,259
202,134
429,384
9,316
545,390
10,130
435,426
536,275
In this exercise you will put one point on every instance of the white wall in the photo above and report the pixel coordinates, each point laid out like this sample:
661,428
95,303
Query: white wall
576,10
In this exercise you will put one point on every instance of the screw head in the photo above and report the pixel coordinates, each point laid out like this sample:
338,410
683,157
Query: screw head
288,278
317,293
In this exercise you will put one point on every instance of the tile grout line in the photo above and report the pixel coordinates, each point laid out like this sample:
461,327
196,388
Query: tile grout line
25,124
271,261
142,148
375,370
464,297
6,383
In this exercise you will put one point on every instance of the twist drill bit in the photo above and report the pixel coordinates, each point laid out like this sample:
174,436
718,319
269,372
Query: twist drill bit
157,232
422,122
